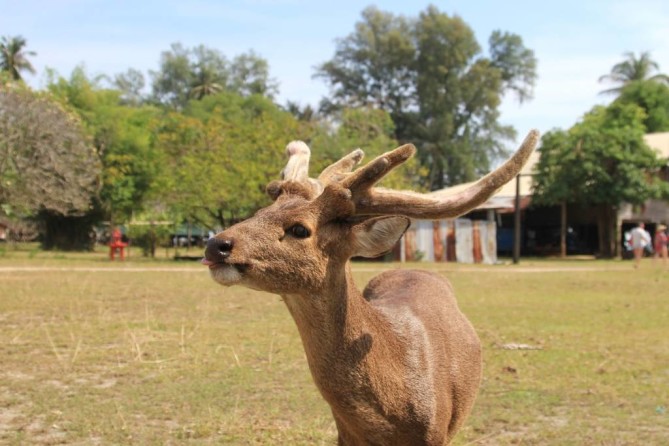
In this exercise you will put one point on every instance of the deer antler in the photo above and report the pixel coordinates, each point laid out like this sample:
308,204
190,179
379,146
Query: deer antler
369,200
379,201
297,169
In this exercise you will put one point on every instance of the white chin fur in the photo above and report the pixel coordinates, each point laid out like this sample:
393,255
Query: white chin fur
226,275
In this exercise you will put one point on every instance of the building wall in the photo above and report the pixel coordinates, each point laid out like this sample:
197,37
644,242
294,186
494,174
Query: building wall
460,240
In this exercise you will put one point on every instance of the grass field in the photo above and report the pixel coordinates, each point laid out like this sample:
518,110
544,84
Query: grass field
154,352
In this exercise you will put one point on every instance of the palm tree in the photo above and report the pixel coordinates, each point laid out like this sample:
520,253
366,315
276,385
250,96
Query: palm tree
206,82
633,69
14,57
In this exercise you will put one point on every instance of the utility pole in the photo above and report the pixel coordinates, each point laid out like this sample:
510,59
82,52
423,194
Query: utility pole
516,223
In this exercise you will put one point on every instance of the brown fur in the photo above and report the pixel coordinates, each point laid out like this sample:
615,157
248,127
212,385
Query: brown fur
399,364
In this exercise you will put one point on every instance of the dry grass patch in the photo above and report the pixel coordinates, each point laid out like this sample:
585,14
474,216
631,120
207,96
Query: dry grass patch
169,357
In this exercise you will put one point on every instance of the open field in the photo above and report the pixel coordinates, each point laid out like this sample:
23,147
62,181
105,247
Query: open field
154,352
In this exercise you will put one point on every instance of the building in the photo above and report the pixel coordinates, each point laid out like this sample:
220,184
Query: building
540,226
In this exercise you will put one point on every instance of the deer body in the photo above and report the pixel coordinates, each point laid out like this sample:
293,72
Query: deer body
399,364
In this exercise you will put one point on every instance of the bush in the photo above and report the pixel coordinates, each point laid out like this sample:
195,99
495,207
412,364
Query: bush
149,237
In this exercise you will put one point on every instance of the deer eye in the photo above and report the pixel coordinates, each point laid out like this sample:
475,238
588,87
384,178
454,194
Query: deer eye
298,231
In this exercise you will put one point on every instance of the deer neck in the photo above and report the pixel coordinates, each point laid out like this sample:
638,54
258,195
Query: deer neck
354,355
335,323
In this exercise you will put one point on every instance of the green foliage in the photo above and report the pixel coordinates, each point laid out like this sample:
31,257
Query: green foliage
653,98
122,137
440,91
130,84
172,83
371,130
149,237
46,162
199,72
220,154
601,160
633,69
372,65
516,63
14,57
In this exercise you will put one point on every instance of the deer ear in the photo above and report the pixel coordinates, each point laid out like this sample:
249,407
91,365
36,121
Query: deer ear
376,236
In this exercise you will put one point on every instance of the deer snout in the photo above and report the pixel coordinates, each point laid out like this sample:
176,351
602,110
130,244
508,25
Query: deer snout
218,249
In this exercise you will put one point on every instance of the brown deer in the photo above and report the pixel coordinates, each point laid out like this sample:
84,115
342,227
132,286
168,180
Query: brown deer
398,363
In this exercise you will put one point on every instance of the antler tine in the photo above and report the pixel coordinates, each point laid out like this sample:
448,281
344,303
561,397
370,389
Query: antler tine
372,172
335,170
297,168
296,171
389,202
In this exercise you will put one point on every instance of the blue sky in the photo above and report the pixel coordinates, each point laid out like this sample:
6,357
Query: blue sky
574,41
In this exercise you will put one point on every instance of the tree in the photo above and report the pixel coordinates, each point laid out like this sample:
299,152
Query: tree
219,156
14,57
442,93
306,113
601,162
653,98
209,72
48,168
199,72
373,66
517,64
173,81
633,69
130,84
122,138
249,75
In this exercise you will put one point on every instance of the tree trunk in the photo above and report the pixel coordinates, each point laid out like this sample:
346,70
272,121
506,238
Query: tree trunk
614,240
563,230
607,231
153,239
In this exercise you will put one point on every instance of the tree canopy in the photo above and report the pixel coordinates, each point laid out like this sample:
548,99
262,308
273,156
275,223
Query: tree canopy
220,154
122,139
653,98
14,56
201,71
46,162
633,69
441,91
201,136
371,130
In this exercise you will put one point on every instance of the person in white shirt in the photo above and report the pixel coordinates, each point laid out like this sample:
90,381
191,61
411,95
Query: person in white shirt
640,238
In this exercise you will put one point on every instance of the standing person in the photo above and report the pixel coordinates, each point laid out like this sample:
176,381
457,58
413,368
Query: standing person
660,243
640,238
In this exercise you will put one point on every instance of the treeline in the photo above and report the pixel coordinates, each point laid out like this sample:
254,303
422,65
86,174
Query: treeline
77,154
200,142
202,137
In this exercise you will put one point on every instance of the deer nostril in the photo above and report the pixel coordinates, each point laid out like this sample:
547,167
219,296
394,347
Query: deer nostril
218,249
225,245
